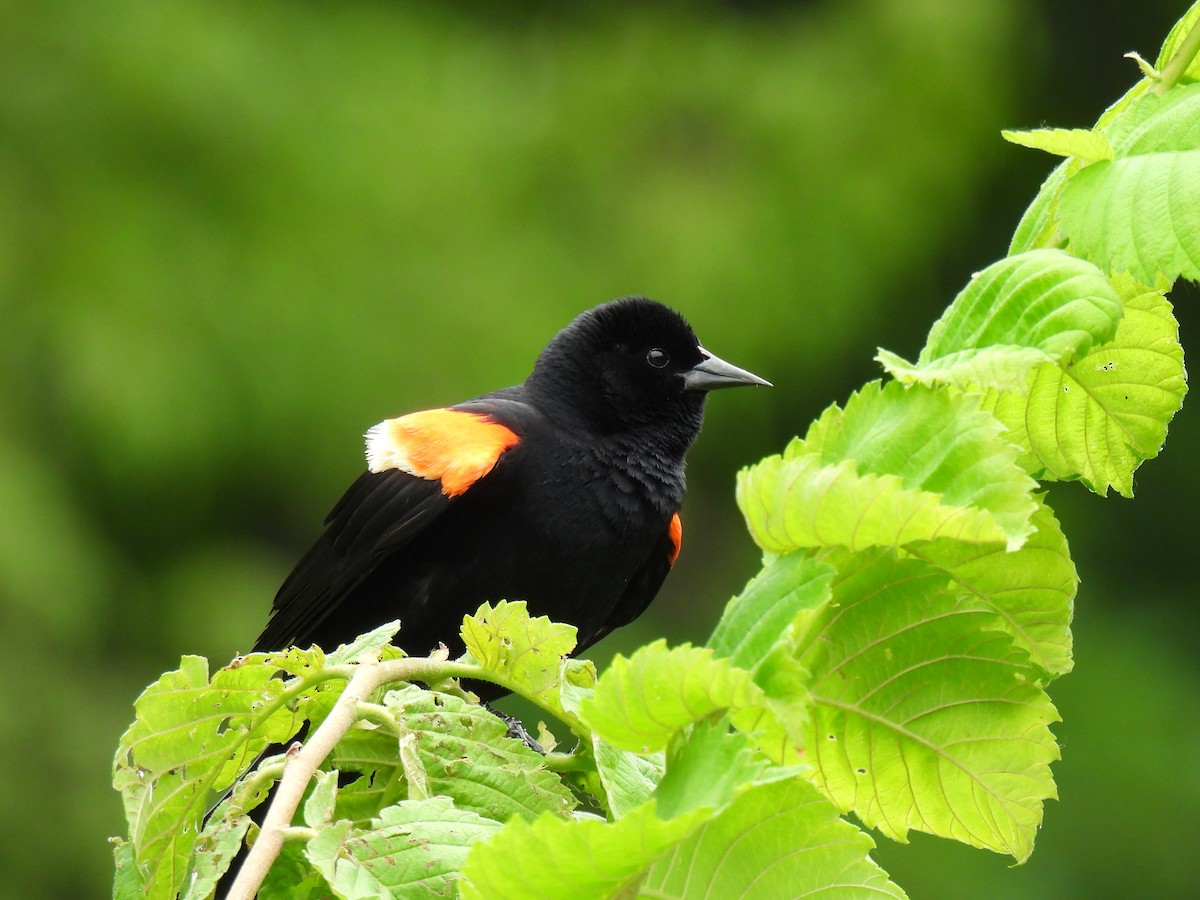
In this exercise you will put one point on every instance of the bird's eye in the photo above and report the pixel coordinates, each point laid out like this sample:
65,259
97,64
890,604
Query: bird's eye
658,358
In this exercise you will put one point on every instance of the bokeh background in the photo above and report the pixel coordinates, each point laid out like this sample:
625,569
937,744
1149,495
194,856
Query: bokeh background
235,235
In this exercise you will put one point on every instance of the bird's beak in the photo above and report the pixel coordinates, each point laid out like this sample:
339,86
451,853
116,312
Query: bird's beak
712,372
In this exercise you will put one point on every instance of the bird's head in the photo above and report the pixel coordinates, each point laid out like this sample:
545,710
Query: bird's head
632,366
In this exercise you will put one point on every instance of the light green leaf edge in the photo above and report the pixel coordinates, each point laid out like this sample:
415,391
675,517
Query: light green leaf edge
898,465
1019,312
1081,143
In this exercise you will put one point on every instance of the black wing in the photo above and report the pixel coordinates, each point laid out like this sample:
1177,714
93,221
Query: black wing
381,512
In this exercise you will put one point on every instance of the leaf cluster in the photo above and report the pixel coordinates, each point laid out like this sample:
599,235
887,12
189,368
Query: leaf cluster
891,659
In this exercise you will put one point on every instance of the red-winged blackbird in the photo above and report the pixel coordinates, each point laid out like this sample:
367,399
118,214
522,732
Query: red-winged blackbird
563,491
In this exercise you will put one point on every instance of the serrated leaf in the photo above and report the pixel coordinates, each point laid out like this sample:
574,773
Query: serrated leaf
468,757
1098,418
1032,589
414,850
628,779
706,767
191,737
925,715
1016,314
529,651
1140,212
641,701
1082,143
756,619
781,839
898,465
584,859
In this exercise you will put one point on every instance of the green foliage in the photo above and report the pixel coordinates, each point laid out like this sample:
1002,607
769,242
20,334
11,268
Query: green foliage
892,659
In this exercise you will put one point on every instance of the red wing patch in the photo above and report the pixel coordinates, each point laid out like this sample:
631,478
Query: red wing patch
675,533
448,445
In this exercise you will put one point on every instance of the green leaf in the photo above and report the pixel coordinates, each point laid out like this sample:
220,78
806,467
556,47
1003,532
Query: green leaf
191,737
1078,142
1032,589
528,651
216,847
628,779
706,767
925,716
414,849
1140,212
292,877
1016,314
899,465
468,757
1099,417
756,619
1039,223
364,644
584,859
780,839
126,883
318,808
641,701
1175,40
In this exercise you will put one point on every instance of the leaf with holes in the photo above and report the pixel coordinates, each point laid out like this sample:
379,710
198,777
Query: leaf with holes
1098,418
925,715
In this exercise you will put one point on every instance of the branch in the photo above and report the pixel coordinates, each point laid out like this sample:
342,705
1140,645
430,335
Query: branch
303,764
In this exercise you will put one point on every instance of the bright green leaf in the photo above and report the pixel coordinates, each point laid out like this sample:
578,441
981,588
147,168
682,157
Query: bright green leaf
468,757
1175,40
1098,418
925,715
706,767
780,839
558,859
318,808
529,651
1016,314
756,619
1032,589
191,737
898,465
414,850
628,778
1140,212
1038,227
364,644
1078,142
641,701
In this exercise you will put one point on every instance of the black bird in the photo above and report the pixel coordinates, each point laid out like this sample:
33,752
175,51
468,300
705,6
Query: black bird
563,491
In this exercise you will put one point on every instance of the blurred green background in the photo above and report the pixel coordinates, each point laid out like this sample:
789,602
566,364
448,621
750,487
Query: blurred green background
233,236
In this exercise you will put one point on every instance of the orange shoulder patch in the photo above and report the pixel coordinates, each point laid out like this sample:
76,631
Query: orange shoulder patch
675,533
448,445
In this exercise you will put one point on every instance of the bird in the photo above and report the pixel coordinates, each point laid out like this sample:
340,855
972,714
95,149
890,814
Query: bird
563,491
